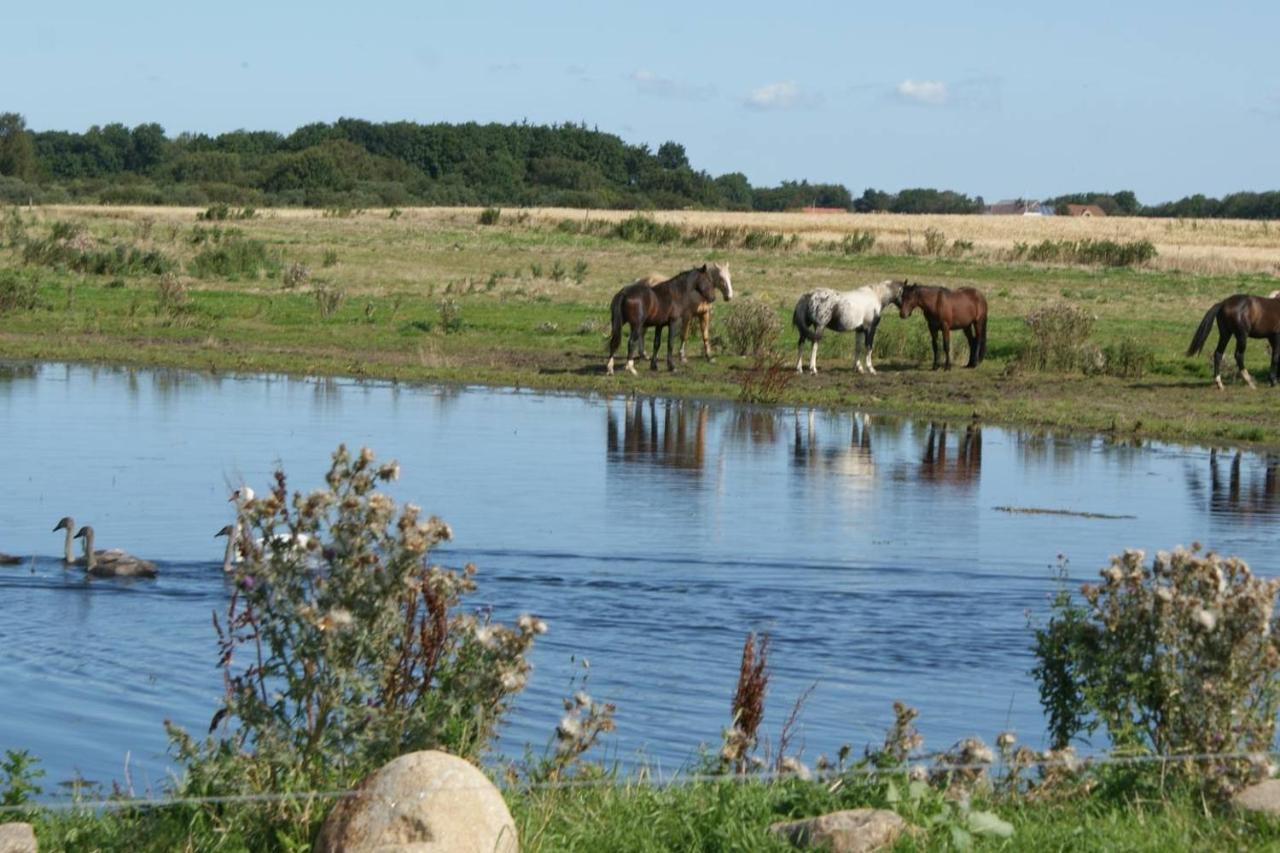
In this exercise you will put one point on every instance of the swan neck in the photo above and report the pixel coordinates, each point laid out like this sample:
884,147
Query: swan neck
68,549
231,547
88,550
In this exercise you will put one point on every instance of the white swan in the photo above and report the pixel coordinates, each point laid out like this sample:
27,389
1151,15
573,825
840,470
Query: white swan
114,563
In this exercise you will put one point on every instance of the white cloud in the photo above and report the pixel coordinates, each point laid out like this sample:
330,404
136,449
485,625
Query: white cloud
778,96
649,83
930,92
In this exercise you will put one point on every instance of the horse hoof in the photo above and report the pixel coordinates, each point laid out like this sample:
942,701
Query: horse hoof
632,370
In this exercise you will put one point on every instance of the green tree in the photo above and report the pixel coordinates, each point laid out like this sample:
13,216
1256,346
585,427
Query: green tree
17,149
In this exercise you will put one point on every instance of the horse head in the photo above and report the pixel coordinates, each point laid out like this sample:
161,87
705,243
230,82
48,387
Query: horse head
705,284
908,299
893,292
720,277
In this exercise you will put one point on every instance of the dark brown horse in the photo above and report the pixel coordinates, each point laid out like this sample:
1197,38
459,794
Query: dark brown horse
669,304
1241,317
944,310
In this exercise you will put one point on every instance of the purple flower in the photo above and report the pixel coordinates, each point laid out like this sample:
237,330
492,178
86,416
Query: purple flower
246,582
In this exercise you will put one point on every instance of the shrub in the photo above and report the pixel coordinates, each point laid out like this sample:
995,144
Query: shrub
857,242
450,315
558,271
1179,657
644,229
750,326
69,245
1107,253
221,211
172,296
330,672
766,380
297,274
235,258
330,258
328,300
18,292
1058,335
490,216
1128,359
935,241
580,271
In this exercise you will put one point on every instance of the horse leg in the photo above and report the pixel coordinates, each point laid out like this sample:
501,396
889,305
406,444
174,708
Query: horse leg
813,359
1223,337
684,339
1275,359
858,337
634,343
800,355
946,344
1241,337
704,324
972,337
657,346
871,342
933,340
676,326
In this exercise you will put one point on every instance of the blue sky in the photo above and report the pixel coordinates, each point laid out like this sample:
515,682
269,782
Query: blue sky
1001,99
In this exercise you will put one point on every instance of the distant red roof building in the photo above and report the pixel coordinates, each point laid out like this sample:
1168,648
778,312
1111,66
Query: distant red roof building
823,210
1085,210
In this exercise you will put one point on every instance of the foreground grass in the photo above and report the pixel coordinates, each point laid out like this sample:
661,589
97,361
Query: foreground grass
529,303
722,816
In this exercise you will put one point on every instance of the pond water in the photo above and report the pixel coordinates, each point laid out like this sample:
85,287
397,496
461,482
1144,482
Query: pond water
651,534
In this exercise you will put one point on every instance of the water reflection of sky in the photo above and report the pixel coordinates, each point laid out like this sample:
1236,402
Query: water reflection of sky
651,533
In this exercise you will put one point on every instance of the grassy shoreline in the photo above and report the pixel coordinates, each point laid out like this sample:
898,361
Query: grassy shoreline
528,305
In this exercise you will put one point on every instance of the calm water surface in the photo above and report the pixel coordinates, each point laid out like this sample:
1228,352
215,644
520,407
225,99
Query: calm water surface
651,534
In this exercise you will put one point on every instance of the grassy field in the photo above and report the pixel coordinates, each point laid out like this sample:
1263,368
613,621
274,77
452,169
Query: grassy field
431,294
724,815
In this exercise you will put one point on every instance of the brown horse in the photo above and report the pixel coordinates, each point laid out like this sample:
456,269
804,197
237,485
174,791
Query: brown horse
944,310
703,312
1241,317
668,304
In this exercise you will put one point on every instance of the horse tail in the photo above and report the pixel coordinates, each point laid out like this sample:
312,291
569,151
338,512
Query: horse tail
615,316
802,319
1206,325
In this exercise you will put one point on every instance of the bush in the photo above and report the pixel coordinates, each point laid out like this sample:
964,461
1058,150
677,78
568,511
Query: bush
1058,336
490,216
750,326
1128,359
69,245
935,241
644,229
450,316
18,292
328,300
1108,253
297,274
235,258
342,648
172,297
1178,658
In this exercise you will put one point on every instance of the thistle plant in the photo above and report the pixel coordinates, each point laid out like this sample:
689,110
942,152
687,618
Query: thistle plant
1177,657
342,646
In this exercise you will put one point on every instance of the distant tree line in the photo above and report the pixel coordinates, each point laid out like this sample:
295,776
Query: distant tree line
355,163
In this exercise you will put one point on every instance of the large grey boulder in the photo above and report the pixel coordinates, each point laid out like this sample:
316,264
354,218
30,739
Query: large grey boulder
849,831
17,838
423,802
1263,797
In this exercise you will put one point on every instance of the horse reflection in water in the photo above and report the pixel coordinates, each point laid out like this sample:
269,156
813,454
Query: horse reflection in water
1241,496
941,465
852,461
673,434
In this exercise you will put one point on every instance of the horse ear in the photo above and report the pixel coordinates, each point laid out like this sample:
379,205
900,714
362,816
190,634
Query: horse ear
704,268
